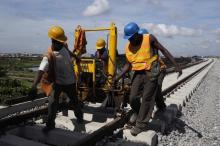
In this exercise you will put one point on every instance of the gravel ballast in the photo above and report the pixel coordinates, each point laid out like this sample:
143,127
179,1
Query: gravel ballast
199,122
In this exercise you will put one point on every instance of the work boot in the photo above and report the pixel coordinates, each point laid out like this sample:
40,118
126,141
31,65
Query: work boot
136,130
133,119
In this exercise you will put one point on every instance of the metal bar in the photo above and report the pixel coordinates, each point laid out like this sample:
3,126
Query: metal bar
169,89
171,70
104,131
97,29
22,99
22,117
22,107
28,115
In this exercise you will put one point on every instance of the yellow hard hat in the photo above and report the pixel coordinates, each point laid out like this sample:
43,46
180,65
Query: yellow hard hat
57,33
100,44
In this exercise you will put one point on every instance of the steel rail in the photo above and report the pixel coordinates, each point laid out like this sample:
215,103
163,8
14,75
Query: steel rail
172,87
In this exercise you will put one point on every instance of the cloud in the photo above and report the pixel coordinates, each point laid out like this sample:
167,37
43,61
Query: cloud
96,8
155,2
171,30
216,31
217,41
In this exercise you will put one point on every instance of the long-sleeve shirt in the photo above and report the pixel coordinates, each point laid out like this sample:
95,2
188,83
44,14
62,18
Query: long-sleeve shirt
103,56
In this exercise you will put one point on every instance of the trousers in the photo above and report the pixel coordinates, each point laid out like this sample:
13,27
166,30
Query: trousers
70,90
146,89
159,97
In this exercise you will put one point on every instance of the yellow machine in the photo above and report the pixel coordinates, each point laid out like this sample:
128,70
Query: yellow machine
90,73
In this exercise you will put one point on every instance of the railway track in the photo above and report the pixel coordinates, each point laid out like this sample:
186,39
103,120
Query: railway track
26,98
21,124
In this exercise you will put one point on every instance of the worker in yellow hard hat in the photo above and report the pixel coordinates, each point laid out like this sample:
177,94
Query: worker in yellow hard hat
56,75
102,53
57,33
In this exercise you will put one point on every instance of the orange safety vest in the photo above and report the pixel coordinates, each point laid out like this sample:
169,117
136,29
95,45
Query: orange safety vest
140,57
48,77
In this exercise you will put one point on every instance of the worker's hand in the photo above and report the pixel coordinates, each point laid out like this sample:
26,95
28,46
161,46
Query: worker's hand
33,92
179,70
114,82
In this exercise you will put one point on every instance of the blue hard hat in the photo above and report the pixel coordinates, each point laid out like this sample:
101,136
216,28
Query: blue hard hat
143,31
130,29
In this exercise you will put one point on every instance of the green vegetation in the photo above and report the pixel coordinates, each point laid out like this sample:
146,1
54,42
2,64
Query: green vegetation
16,77
19,64
12,88
2,72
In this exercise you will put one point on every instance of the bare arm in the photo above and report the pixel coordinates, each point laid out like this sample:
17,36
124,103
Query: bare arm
125,69
38,78
33,91
166,53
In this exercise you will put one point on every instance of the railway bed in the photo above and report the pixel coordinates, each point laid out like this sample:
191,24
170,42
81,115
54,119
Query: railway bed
22,123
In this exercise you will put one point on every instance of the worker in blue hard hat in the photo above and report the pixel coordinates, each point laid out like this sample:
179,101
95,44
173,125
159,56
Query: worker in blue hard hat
145,64
143,31
161,106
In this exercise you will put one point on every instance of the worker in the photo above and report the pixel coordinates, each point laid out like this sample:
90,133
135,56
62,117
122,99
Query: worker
57,64
142,60
102,53
143,31
160,104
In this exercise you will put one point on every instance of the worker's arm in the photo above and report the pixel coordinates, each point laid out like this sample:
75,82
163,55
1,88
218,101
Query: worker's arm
33,91
101,55
71,53
38,78
44,66
154,43
125,69
104,56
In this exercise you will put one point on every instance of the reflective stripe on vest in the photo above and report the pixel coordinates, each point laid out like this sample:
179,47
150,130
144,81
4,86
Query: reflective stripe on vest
141,57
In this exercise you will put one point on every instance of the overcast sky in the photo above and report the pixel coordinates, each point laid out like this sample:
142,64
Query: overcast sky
184,27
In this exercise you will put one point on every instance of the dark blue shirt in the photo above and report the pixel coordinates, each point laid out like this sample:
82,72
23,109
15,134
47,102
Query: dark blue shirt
104,55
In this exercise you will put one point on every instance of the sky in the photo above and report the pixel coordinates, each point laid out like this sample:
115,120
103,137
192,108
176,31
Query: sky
184,27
